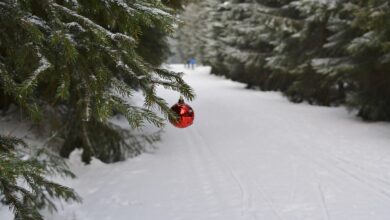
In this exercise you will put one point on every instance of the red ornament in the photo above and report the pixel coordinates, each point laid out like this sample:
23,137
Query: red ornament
185,112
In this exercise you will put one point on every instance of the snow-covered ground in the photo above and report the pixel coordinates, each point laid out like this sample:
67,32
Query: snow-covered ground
250,155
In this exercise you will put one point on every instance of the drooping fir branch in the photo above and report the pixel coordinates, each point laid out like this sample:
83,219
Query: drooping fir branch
78,56
24,184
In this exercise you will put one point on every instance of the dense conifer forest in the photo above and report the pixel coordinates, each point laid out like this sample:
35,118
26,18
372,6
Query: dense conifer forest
321,52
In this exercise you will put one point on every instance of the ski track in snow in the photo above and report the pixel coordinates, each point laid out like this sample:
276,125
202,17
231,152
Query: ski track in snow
250,155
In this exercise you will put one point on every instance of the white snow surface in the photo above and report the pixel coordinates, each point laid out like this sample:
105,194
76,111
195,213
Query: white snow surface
250,155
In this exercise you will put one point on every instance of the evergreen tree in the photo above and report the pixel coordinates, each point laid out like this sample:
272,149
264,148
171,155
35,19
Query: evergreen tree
24,186
83,60
175,4
186,34
322,52
248,43
270,44
229,37
214,47
198,33
299,42
361,55
153,44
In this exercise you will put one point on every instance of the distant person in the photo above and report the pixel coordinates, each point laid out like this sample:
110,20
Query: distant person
192,63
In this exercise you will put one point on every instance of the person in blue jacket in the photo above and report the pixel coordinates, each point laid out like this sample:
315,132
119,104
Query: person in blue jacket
192,63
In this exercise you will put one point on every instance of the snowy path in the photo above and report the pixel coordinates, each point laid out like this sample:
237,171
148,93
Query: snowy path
249,156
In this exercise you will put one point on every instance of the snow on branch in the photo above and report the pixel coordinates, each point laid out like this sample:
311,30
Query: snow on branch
93,25
75,25
121,4
120,64
153,10
73,2
44,64
331,65
4,4
37,21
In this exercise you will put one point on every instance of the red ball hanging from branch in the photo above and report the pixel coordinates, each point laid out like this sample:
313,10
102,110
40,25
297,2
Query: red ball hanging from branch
185,114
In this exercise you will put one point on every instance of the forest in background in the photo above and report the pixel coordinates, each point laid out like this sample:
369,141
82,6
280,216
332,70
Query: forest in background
334,52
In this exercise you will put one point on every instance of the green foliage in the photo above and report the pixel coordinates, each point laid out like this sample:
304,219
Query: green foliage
84,60
322,52
296,49
24,186
361,39
176,4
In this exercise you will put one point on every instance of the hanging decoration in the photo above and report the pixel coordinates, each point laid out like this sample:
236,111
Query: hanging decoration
185,114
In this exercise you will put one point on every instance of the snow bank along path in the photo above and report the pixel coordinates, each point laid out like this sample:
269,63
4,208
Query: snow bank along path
250,155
